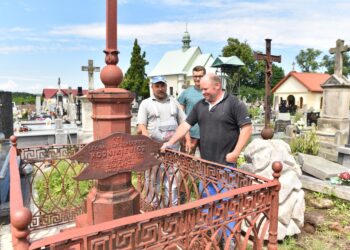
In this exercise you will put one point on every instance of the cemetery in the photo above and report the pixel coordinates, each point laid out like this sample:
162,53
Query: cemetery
80,177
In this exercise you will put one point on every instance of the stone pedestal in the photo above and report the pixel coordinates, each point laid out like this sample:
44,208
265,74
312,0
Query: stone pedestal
61,137
113,197
85,134
333,126
38,105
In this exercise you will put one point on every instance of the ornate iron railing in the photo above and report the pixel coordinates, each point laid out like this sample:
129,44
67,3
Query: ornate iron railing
179,207
55,197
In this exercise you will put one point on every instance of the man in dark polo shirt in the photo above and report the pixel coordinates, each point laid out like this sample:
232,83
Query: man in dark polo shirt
224,122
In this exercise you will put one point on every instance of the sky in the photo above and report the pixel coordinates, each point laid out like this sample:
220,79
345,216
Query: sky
42,40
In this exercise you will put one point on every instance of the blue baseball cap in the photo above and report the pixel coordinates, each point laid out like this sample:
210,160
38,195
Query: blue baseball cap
158,79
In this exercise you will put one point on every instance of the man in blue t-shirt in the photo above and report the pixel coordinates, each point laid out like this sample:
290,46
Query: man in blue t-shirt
187,100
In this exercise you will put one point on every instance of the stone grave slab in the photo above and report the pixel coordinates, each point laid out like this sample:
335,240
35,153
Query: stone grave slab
321,186
319,167
280,125
344,156
117,153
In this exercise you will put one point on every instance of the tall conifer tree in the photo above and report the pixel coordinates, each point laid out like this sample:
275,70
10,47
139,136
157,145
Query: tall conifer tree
135,78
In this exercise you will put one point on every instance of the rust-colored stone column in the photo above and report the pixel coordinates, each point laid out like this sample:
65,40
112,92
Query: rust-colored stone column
113,197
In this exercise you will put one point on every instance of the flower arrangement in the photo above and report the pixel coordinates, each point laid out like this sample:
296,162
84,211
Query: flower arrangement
345,178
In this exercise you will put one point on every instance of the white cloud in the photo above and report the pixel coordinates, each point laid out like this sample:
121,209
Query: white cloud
288,23
9,85
15,49
94,30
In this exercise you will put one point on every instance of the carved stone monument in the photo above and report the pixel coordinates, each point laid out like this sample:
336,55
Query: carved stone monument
38,105
260,154
333,124
91,69
85,134
71,107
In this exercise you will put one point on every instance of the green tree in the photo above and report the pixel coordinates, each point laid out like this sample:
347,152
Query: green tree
307,60
252,75
328,63
245,74
23,98
135,78
277,75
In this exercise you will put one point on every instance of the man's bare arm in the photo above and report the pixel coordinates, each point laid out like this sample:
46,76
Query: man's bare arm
180,133
142,129
243,139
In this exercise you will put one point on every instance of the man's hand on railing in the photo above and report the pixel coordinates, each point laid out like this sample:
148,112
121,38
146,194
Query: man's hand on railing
165,146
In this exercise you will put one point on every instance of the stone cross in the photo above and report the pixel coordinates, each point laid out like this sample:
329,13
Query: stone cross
91,69
268,58
338,51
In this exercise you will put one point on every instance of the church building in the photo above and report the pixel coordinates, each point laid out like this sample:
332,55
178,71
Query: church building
176,66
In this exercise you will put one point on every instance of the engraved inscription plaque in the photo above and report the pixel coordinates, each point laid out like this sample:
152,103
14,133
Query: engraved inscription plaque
117,153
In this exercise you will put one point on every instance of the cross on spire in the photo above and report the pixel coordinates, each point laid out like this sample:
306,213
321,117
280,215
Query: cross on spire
268,58
90,69
338,51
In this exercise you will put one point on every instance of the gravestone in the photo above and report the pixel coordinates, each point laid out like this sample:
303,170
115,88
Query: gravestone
333,124
260,155
311,118
6,116
319,167
85,134
71,108
90,69
61,136
283,120
38,105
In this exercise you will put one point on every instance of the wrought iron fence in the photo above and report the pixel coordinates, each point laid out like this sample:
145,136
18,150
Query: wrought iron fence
186,202
54,196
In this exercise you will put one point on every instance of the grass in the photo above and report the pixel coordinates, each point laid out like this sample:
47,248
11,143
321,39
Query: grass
57,189
324,237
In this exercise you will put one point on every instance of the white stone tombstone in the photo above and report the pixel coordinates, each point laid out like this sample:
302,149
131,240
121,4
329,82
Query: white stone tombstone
61,136
283,117
38,105
85,134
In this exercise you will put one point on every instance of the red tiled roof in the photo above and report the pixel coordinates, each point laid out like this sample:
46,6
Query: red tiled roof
49,93
311,81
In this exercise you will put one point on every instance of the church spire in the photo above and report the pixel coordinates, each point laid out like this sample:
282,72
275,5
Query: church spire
186,40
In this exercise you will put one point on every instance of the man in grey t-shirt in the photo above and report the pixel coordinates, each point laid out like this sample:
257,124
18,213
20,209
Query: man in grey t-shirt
158,118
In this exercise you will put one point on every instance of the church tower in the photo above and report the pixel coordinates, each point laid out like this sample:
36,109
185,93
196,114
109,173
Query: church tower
186,40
